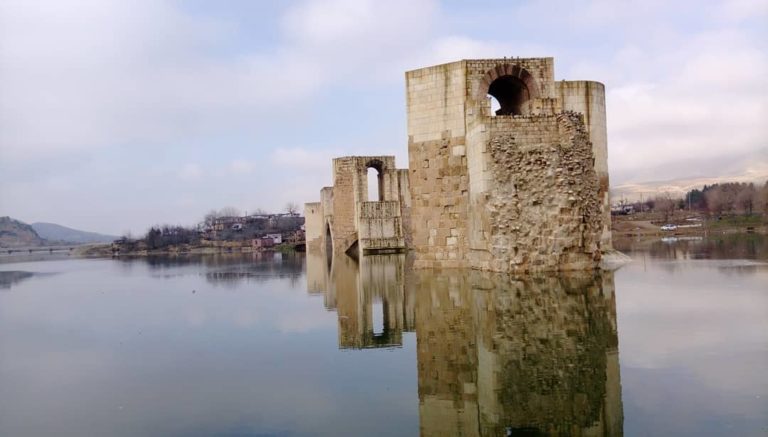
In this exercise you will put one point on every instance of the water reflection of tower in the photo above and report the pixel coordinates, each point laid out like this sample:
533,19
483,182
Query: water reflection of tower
364,292
528,357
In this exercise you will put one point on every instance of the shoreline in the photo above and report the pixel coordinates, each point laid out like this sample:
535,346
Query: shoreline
107,250
630,230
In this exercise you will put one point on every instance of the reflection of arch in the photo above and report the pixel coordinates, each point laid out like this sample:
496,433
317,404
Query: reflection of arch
328,243
511,85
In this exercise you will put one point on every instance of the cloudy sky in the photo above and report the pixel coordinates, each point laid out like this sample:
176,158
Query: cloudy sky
116,115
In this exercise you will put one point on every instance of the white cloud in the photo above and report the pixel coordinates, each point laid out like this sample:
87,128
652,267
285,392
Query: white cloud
367,28
705,103
362,41
190,172
111,75
309,170
89,74
241,166
305,159
456,47
738,10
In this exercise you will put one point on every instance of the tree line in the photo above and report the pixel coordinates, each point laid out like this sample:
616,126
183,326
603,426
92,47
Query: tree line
729,198
161,236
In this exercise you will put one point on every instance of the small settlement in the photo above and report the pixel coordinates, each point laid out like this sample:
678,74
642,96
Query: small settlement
247,233
260,231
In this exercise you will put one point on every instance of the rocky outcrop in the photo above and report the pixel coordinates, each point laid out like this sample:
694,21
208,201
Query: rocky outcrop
14,233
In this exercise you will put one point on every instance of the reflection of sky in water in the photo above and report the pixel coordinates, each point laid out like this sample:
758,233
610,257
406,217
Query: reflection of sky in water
693,338
228,345
105,350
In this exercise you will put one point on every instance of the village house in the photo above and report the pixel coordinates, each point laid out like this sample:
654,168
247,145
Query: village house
262,243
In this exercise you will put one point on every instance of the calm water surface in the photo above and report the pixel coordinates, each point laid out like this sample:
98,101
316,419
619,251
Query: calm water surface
675,343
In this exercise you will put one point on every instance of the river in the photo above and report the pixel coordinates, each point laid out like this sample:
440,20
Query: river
674,343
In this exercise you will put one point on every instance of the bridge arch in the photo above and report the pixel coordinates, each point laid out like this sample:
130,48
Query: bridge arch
511,85
377,179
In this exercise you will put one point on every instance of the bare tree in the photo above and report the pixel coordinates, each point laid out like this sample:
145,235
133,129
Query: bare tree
211,217
715,201
745,198
761,199
722,198
229,211
665,205
292,208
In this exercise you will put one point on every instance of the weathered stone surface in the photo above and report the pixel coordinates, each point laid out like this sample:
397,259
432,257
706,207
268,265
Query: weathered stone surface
543,208
380,226
313,225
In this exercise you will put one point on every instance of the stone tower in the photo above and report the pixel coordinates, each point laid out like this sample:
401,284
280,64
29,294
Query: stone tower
346,221
519,189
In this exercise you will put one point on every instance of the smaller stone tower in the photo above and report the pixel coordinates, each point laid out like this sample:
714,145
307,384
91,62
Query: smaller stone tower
346,221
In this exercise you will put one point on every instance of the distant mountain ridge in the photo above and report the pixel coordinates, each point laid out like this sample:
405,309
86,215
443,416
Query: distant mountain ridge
61,234
634,191
14,233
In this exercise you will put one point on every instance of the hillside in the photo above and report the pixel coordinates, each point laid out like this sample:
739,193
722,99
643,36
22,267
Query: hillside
58,233
14,233
633,191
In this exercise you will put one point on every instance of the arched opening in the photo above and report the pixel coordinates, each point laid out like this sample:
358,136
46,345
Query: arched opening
328,244
510,93
375,185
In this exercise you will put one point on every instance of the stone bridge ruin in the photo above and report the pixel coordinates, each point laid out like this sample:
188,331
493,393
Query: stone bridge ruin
507,172
346,221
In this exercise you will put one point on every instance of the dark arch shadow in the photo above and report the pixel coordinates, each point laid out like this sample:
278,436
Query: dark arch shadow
511,93
511,85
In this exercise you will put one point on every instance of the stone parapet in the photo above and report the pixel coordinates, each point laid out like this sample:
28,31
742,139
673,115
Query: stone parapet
380,227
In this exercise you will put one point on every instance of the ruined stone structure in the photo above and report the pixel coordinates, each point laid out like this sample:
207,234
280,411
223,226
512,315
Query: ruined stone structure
346,221
520,189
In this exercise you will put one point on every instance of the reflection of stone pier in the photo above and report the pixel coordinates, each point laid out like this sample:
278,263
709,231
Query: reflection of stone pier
372,288
496,355
537,356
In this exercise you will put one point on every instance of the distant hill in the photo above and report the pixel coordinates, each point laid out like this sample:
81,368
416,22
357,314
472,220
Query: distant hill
57,233
14,233
634,191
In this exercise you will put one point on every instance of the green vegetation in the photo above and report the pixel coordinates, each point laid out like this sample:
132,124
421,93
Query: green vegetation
752,220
